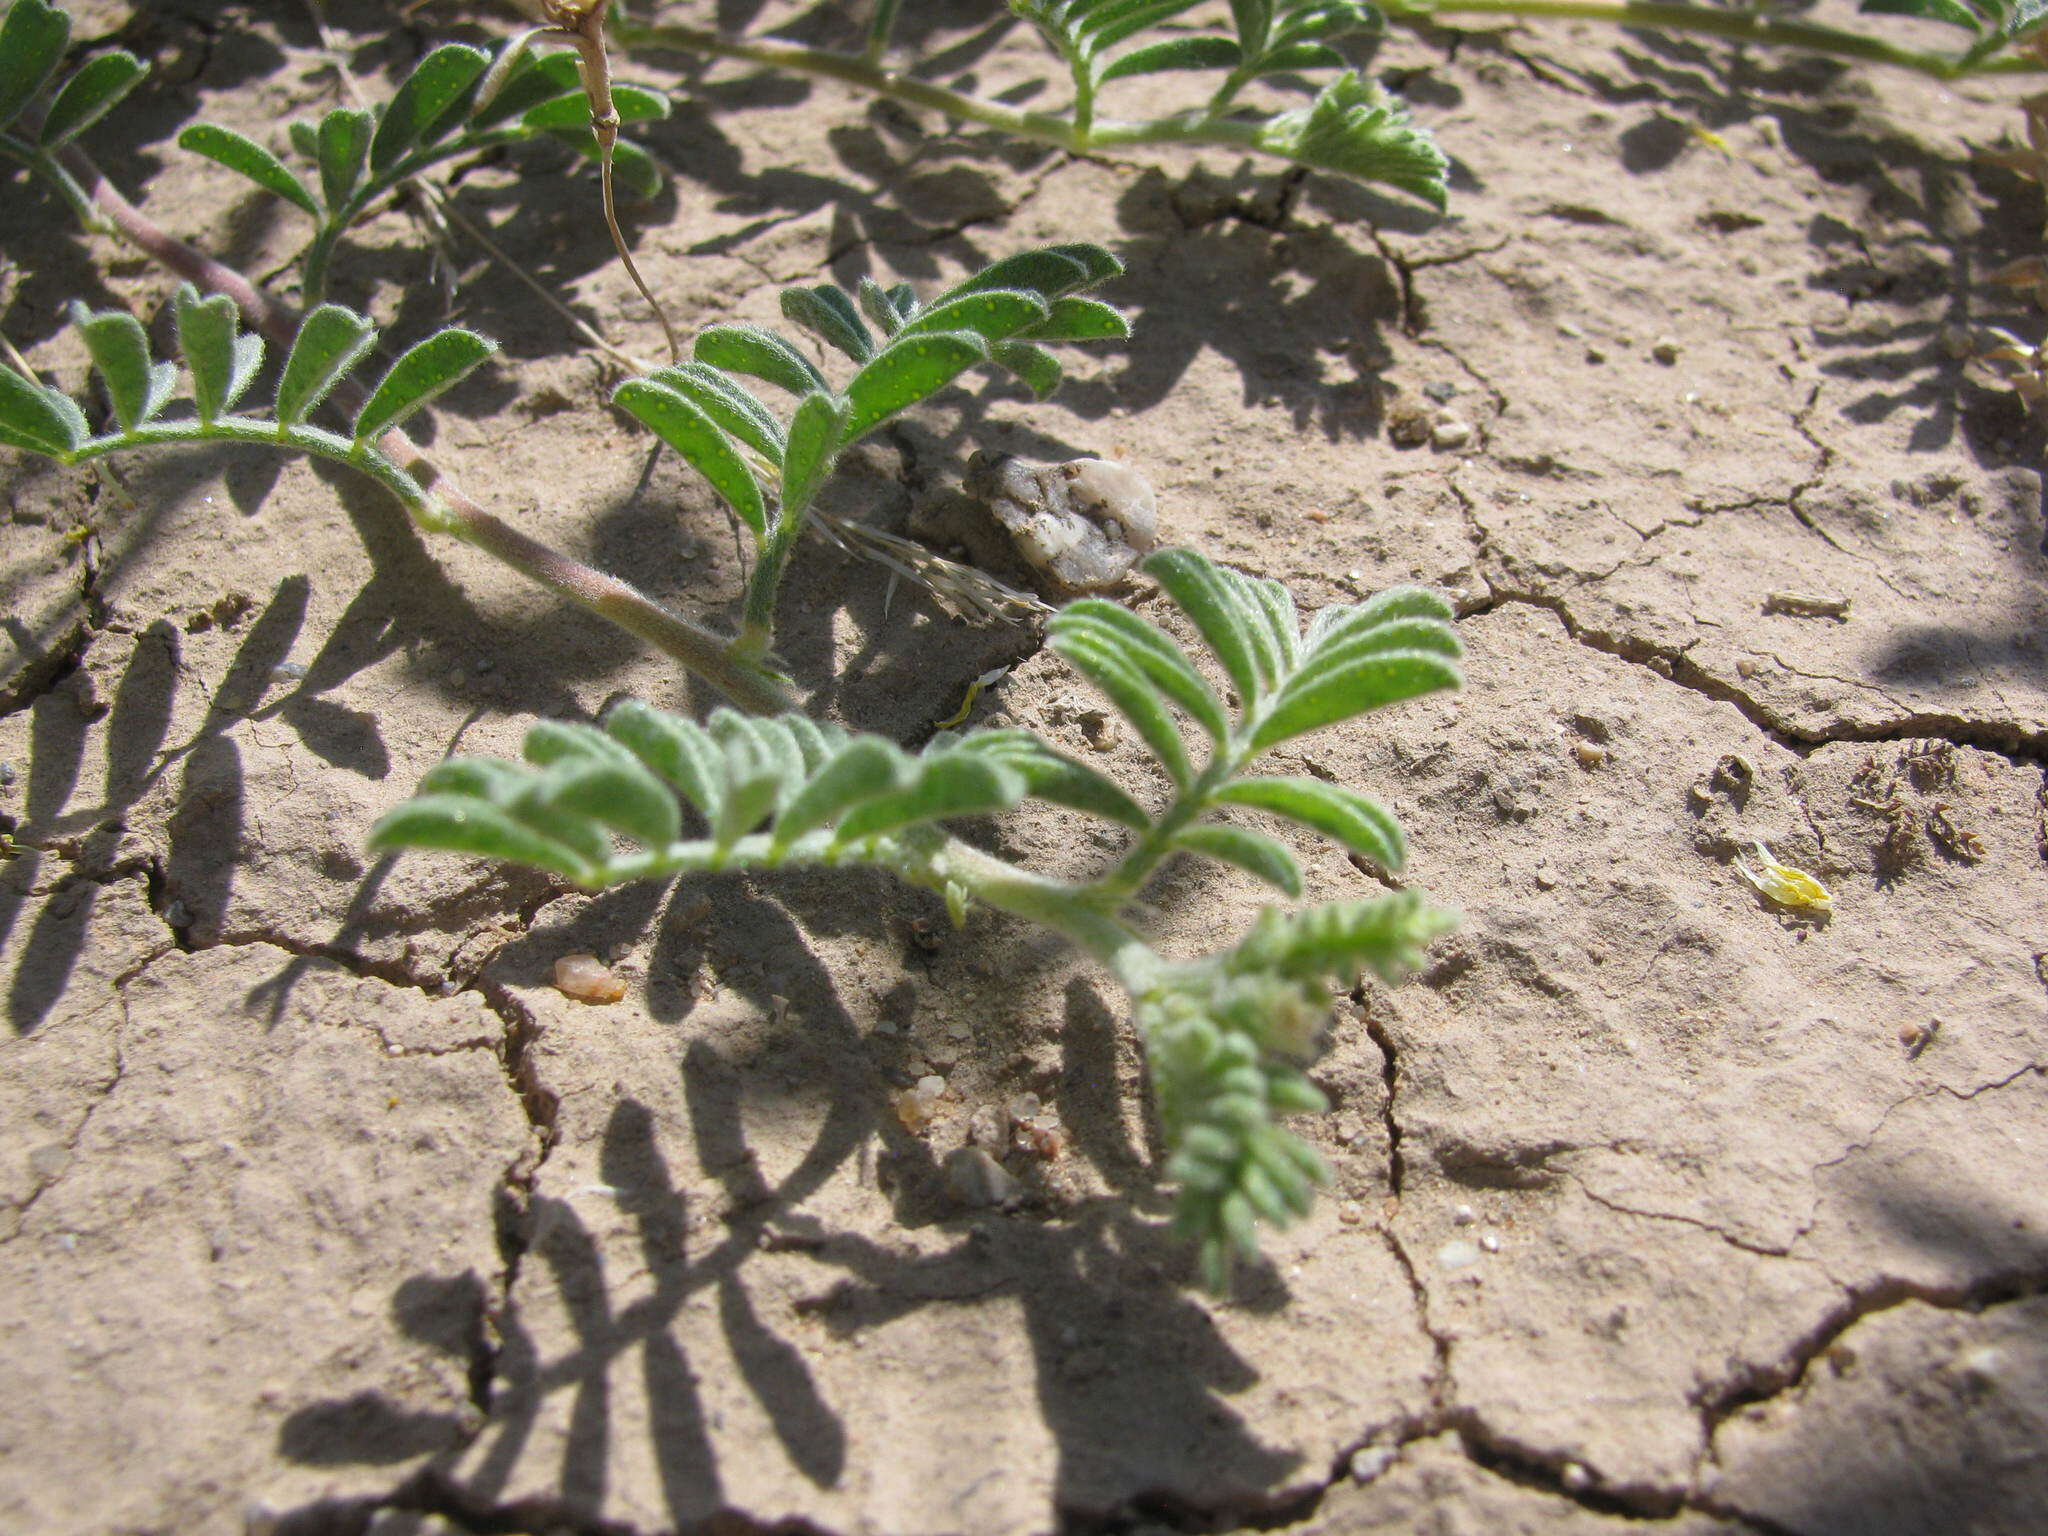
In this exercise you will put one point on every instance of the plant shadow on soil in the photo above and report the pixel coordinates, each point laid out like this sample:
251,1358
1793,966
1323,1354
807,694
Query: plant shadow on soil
1131,1375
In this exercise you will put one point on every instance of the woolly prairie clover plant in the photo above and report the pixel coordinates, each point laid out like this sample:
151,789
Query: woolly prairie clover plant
1227,1035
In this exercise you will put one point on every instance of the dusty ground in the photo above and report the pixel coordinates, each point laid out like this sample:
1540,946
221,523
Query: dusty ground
321,1211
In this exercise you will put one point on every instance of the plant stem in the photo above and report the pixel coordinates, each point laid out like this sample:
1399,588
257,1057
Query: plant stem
455,513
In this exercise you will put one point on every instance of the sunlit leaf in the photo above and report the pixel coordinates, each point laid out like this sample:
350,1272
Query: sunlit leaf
1175,53
1252,852
32,40
815,432
1326,696
679,750
1218,611
1153,651
330,342
827,313
957,784
1038,368
1360,824
702,443
909,369
459,824
245,156
1353,127
136,388
1123,683
728,403
342,148
36,417
1079,319
220,360
419,109
424,373
993,315
759,354
1053,776
863,769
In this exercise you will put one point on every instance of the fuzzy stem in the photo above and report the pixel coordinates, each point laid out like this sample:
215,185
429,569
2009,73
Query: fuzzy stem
457,514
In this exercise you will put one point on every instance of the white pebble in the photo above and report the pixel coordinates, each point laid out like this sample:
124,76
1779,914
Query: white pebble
1371,1461
1463,1216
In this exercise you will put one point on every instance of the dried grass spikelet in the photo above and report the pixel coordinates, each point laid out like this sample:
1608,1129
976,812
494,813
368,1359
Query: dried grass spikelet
961,591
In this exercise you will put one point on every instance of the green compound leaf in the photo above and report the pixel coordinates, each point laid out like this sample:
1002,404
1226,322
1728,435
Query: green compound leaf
1076,319
1176,53
620,795
463,824
1277,635
1105,664
1321,696
136,387
992,315
37,417
634,104
32,41
1038,368
677,421
248,158
1050,271
427,371
342,148
863,769
680,751
222,362
1253,852
332,341
1053,776
1219,613
728,403
953,784
1153,651
815,433
1364,826
419,111
827,313
1340,619
759,354
518,80
89,95
909,369
1354,128
1337,940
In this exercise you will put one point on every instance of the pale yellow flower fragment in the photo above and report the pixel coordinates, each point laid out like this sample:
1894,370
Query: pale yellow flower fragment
1787,886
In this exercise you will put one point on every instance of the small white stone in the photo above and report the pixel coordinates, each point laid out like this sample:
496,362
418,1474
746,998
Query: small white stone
1575,1477
1451,431
1371,1461
1490,1241
1463,1216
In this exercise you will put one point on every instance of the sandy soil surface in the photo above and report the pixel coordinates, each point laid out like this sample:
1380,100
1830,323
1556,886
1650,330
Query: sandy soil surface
1656,1208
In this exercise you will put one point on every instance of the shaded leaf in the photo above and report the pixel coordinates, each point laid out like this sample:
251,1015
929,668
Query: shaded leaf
89,95
634,104
633,169
342,149
248,158
1362,825
425,372
32,40
1253,852
1948,11
881,306
678,422
759,354
1038,368
910,369
332,341
957,784
827,313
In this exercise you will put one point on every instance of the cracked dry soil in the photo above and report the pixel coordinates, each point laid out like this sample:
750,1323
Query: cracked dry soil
321,1211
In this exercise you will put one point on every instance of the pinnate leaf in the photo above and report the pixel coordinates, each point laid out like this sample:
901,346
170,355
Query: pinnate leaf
32,40
1106,665
863,769
90,95
953,784
633,103
1203,592
1380,608
37,417
419,110
1253,852
680,751
728,403
815,432
1360,824
462,824
759,354
342,147
1339,939
429,370
330,342
1079,319
908,370
245,156
1153,651
1353,127
1049,271
681,424
620,794
1176,53
1053,776
827,313
1318,696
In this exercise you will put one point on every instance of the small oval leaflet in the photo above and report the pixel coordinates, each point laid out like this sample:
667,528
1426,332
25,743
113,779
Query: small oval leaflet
332,341
245,156
429,370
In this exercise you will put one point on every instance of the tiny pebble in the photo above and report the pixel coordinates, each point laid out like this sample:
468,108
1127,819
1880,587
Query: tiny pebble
1464,1216
1490,1242
1664,350
288,671
1369,1462
588,979
1575,1476
1746,667
1351,1213
1450,431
